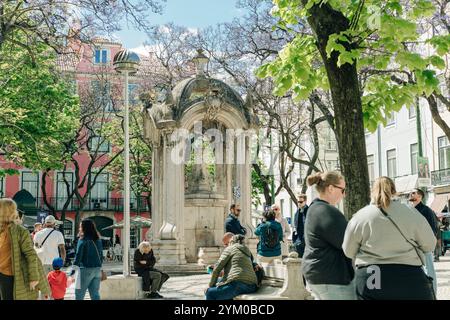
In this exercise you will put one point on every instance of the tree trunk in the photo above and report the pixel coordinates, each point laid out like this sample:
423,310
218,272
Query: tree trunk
44,193
315,139
265,182
347,108
432,103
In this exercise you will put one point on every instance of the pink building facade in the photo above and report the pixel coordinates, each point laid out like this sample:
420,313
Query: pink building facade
104,206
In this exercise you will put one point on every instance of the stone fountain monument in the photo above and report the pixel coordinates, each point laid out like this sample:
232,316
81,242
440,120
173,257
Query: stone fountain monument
199,132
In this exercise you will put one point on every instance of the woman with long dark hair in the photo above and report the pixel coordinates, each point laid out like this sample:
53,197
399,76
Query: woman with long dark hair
89,259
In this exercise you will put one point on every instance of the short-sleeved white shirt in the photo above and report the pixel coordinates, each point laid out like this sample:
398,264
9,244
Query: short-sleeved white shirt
50,247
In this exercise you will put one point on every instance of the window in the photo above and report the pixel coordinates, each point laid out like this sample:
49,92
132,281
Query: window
99,193
371,166
133,238
68,229
99,144
390,120
30,182
331,141
61,189
101,56
414,151
2,188
391,163
332,165
102,93
444,153
412,112
133,93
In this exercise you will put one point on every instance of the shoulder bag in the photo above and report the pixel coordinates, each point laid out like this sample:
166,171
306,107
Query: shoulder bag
421,257
40,247
103,273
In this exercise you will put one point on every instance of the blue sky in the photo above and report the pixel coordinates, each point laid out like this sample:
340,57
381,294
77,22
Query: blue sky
189,13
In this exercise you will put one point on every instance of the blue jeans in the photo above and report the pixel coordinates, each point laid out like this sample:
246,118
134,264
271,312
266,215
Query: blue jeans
90,280
333,291
229,291
429,269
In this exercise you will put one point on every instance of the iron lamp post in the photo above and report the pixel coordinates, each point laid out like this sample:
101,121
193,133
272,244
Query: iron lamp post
126,62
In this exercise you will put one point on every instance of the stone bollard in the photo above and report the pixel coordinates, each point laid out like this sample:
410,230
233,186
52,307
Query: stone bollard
208,255
293,287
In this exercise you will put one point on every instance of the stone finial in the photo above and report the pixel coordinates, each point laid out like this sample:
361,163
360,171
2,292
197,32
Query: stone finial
164,94
200,61
293,286
147,98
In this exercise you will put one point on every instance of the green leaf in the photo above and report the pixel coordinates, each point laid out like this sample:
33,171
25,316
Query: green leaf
411,60
346,57
422,9
438,62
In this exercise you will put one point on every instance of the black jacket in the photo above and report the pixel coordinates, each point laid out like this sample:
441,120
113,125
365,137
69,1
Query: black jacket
429,215
148,257
233,225
299,224
324,261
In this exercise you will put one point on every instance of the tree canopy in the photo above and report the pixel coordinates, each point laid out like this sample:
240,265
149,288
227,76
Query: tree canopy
385,39
38,110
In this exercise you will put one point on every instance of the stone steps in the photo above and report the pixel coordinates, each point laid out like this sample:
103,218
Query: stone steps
172,270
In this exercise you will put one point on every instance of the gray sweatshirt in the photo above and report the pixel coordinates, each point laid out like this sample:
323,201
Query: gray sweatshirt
371,238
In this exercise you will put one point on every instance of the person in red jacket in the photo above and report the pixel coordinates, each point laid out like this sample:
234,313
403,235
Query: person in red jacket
58,280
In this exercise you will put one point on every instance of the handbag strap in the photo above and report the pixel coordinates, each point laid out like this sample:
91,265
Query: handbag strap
399,230
98,255
40,246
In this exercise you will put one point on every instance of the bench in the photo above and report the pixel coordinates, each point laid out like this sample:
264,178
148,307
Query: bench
289,274
118,287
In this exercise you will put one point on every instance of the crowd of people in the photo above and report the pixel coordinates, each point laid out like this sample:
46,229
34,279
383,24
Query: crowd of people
385,251
30,264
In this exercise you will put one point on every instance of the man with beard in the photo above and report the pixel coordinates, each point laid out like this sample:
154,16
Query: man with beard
416,198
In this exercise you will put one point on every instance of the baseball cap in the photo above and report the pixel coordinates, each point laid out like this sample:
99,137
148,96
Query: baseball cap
50,219
58,263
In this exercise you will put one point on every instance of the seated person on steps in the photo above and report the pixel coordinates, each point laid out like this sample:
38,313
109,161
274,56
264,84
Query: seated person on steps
144,262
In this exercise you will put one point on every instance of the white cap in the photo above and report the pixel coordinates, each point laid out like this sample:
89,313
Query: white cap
50,219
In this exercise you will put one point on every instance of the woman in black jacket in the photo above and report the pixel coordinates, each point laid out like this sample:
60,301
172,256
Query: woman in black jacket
328,272
144,262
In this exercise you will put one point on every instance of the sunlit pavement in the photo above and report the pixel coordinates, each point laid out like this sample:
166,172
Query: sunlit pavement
193,287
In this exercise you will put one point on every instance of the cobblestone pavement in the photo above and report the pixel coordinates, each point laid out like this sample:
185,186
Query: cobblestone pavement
443,277
193,287
176,288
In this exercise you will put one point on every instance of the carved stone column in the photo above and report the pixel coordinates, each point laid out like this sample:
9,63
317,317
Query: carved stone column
243,179
170,246
157,217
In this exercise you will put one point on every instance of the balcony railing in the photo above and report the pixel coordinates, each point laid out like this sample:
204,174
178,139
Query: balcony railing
440,177
97,204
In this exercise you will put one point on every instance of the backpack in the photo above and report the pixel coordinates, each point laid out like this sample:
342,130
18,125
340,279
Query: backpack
271,237
260,275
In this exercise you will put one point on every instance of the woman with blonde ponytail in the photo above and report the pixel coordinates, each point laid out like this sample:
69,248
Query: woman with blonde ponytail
21,272
387,240
328,272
